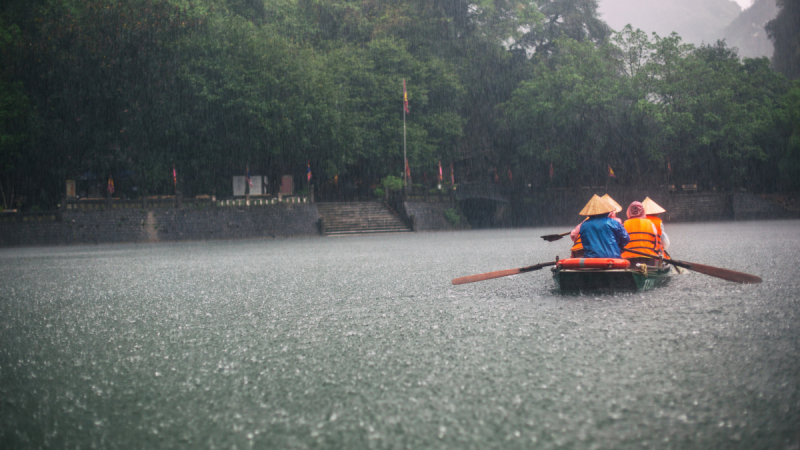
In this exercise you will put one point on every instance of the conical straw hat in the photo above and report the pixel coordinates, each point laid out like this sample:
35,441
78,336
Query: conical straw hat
651,207
610,201
596,206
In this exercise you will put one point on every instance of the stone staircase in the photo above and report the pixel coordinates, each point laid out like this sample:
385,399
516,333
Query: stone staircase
700,207
358,218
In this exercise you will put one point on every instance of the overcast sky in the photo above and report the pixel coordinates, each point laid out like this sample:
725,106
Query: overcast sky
744,3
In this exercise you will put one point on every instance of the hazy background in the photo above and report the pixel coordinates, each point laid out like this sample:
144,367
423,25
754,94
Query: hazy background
740,23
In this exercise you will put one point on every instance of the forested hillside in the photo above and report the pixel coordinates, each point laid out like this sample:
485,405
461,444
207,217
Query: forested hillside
510,91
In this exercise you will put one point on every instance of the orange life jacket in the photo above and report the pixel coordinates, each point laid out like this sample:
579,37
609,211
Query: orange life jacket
642,238
578,245
657,222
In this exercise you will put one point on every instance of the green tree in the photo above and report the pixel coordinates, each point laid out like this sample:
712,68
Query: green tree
371,78
13,116
790,160
574,19
711,108
561,114
102,78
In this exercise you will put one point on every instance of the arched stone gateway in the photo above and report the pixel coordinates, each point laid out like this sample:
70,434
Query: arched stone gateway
483,204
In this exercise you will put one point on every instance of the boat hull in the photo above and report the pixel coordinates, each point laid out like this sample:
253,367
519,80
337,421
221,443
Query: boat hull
610,280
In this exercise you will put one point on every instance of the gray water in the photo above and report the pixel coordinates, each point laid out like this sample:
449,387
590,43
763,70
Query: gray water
362,342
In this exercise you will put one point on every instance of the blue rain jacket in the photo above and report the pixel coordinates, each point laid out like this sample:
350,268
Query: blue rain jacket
603,237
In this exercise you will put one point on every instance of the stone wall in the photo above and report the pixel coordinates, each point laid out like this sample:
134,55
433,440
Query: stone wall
429,216
558,207
748,206
158,225
699,207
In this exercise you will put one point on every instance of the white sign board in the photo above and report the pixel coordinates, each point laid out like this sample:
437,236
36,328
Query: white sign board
259,187
256,188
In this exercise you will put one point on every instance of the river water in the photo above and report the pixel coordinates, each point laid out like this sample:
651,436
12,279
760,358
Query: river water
362,342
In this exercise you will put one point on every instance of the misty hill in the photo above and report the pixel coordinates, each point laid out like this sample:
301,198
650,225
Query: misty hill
696,21
747,31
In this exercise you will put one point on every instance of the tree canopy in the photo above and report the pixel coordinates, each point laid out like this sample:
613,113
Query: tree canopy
91,90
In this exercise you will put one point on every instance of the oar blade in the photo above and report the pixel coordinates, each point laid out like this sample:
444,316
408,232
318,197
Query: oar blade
500,273
552,237
725,274
485,276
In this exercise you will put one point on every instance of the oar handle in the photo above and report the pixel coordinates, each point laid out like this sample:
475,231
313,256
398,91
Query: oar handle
675,262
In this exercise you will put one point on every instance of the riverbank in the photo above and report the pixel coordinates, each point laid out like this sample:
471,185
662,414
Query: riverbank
169,220
561,206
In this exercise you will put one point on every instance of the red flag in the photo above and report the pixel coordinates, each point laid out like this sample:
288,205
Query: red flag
440,171
408,171
110,185
405,97
611,172
309,171
174,176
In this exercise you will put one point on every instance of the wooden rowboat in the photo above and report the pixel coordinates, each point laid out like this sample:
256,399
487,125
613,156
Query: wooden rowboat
639,278
576,274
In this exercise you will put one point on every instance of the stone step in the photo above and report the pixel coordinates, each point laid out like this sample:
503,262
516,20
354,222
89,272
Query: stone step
375,231
359,217
365,228
362,226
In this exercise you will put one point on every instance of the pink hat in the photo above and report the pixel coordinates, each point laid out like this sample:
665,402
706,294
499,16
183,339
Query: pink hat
636,211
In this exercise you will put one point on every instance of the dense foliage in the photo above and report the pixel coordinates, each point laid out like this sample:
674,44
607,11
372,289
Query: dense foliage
132,89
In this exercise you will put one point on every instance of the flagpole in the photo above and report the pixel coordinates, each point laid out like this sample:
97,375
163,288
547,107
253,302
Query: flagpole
405,158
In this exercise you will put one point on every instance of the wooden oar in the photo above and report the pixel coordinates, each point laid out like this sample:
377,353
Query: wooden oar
500,273
554,237
725,274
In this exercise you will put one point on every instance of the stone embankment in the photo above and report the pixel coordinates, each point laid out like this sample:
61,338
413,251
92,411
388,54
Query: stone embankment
133,222
561,207
159,224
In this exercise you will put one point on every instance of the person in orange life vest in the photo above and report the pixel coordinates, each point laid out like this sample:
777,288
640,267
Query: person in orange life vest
642,233
577,246
600,235
652,208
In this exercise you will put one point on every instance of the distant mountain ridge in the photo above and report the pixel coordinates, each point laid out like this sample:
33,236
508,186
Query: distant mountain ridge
696,21
747,32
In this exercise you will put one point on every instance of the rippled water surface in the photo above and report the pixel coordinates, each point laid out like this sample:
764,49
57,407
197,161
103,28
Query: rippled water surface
362,342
